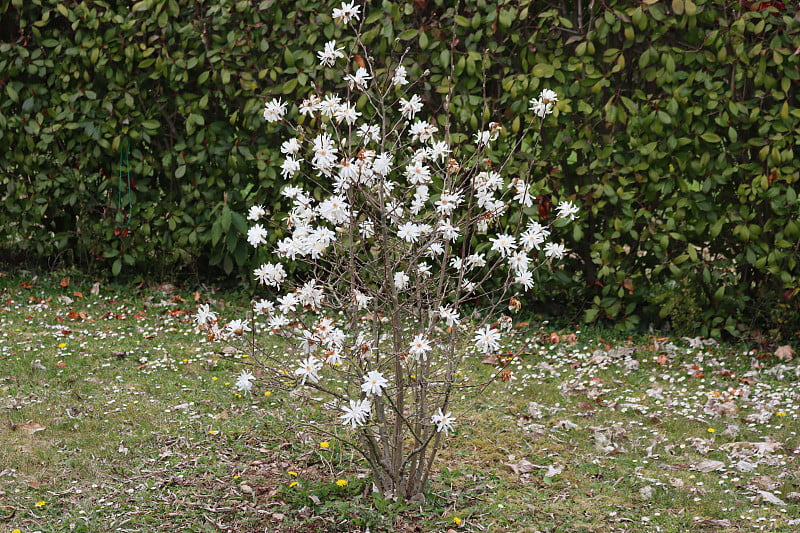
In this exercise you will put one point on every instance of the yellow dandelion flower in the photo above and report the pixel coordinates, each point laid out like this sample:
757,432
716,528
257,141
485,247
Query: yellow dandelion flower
268,393
780,413
341,482
16,531
456,520
292,484
62,345
324,444
214,378
245,355
711,430
40,503
235,476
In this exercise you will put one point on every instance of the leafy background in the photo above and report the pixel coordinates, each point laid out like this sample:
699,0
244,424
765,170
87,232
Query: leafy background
676,134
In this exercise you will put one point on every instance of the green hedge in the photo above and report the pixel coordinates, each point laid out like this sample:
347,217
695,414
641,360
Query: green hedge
676,134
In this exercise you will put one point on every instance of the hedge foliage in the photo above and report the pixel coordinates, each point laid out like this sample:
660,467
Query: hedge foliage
676,134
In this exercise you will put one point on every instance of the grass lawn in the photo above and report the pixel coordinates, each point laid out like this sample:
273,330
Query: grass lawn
115,415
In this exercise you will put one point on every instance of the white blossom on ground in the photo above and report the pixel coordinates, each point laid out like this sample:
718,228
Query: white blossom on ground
244,382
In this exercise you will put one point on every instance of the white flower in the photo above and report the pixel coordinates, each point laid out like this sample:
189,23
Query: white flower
504,244
288,303
439,150
483,137
555,251
309,105
310,294
411,232
270,274
409,108
359,79
335,210
434,249
374,383
309,370
487,339
401,280
263,307
534,236
548,96
290,147
399,77
518,261
290,167
256,212
204,315
324,152
361,300
237,327
424,270
329,55
274,110
346,113
244,381
382,164
277,321
476,260
524,278
444,422
448,202
422,131
369,132
522,192
449,315
418,174
257,235
366,228
567,210
543,105
420,346
329,105
346,12
357,413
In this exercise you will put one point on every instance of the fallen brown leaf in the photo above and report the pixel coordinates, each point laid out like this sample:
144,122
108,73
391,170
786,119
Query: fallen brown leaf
785,353
32,428
714,522
709,465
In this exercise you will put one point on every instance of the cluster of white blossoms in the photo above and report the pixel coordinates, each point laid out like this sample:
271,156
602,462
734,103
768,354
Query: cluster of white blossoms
393,187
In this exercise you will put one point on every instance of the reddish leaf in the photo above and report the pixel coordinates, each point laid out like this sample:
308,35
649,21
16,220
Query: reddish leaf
627,284
360,61
544,207
64,282
77,294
